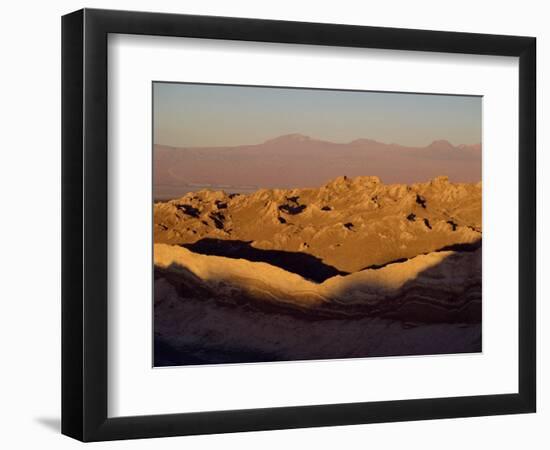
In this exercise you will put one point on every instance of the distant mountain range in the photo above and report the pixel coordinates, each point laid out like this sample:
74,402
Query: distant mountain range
296,160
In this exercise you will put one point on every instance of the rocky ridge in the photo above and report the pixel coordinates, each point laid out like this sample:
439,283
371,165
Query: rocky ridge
349,223
437,287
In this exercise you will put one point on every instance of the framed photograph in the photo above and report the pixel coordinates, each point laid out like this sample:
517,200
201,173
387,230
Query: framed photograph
272,224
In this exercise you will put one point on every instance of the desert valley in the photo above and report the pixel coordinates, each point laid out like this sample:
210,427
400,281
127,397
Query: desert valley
295,224
351,267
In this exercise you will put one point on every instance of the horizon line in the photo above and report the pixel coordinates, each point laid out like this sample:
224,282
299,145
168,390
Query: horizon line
252,189
303,137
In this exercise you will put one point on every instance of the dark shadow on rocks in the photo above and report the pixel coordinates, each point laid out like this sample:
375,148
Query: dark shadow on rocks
292,209
189,210
303,264
167,355
465,247
420,301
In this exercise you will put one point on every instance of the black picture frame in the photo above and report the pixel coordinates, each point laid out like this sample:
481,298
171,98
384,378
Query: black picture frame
84,224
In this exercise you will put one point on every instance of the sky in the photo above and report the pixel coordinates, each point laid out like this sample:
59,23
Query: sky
203,115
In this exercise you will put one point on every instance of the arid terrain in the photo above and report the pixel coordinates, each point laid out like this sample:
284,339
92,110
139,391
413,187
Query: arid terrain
350,268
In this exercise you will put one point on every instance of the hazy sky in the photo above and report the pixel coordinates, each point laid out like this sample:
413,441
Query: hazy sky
188,115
